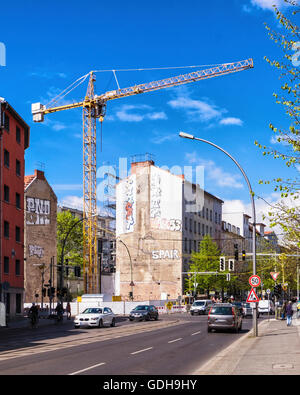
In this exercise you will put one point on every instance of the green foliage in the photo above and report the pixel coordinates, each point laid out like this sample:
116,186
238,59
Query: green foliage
73,250
206,260
288,138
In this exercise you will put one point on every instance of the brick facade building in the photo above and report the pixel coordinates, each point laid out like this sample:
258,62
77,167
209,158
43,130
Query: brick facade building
14,140
160,219
40,236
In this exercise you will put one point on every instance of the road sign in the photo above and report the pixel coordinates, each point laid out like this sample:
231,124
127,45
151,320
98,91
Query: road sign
169,305
254,280
268,291
252,297
79,299
275,275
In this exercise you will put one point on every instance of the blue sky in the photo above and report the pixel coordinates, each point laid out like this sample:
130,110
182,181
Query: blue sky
51,44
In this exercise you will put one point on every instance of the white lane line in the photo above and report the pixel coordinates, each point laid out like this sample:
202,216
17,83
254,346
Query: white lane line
175,340
196,333
84,370
145,349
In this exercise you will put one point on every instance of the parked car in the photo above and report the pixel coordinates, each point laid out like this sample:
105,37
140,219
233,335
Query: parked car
200,307
266,306
143,313
248,310
224,316
95,317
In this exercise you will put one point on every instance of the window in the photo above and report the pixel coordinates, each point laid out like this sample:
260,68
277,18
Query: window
6,229
6,158
195,227
18,234
203,230
210,231
185,244
18,303
216,218
18,167
185,223
18,200
18,267
207,214
207,229
210,215
6,193
191,225
6,122
6,265
199,228
18,135
195,245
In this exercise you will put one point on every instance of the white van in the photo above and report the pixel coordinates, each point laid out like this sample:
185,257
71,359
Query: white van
201,307
266,306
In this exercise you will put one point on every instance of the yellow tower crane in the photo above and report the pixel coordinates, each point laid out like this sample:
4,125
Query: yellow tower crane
94,106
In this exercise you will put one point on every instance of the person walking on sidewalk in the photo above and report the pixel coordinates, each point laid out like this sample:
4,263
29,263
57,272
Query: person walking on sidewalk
68,310
289,313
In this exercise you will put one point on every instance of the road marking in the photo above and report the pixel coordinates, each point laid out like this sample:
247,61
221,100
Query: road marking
176,340
196,333
84,370
145,349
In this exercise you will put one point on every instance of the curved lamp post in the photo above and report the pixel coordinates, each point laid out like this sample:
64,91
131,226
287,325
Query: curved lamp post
131,271
191,137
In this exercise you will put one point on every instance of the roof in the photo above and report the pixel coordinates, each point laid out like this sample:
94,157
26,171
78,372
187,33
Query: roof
28,180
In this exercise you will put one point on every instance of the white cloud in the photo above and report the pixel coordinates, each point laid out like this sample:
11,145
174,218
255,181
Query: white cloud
72,202
159,139
215,173
231,121
197,109
141,113
268,4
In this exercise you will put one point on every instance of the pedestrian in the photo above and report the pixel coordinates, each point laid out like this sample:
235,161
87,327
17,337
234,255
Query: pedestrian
289,313
68,310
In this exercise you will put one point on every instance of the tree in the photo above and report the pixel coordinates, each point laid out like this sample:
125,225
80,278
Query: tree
206,260
73,250
285,214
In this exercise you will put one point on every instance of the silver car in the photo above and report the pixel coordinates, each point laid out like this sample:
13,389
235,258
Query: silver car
224,316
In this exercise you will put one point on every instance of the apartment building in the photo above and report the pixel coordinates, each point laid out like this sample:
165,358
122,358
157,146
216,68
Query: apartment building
14,140
40,238
160,219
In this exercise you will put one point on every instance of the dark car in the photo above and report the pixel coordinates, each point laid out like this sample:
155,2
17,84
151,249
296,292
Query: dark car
239,305
143,313
224,316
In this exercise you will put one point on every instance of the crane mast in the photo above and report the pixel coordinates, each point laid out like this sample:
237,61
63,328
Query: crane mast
93,107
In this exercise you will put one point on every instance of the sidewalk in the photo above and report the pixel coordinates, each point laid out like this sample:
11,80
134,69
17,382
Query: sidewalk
23,322
276,351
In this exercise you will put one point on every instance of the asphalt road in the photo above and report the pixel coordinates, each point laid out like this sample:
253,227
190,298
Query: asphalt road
176,344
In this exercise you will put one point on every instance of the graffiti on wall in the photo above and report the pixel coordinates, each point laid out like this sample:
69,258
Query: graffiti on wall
36,250
156,192
129,205
37,211
165,200
165,254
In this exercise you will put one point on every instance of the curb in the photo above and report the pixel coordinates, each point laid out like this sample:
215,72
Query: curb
216,365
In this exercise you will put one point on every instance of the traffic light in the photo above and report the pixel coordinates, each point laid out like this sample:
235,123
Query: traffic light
44,292
227,276
222,263
243,255
236,252
231,265
131,295
77,271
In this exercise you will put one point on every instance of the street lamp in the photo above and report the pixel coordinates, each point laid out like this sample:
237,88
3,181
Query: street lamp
191,137
131,271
